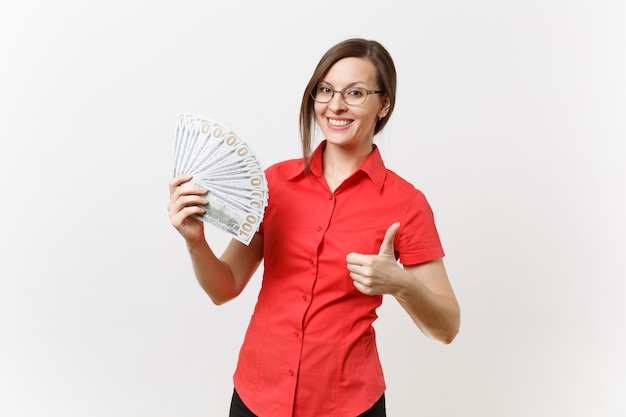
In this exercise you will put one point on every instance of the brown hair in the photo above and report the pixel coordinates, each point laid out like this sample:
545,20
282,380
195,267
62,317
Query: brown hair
350,48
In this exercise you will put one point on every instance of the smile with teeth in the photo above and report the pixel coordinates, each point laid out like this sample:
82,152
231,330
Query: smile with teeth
336,122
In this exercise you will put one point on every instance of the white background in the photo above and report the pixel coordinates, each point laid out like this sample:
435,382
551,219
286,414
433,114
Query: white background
510,118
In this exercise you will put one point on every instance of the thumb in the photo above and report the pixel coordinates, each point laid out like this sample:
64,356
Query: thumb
386,248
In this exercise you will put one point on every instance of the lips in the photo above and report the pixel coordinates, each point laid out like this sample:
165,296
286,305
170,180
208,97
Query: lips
339,122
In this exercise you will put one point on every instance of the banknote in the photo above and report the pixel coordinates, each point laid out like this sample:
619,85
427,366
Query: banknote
223,163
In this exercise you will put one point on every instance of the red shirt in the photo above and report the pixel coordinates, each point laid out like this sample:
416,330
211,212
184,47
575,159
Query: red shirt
310,348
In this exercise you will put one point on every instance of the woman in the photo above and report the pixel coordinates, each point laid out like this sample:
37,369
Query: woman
339,232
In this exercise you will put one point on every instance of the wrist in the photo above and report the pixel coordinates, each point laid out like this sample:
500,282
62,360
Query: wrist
405,285
196,244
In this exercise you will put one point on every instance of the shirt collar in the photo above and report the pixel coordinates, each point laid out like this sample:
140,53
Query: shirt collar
373,166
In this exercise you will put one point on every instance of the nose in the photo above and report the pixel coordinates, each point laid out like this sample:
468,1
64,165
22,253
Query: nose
336,102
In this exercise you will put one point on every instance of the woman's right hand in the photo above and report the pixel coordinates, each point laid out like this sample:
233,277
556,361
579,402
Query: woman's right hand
185,202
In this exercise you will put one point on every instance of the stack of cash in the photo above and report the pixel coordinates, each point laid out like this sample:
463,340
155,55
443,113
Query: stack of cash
226,166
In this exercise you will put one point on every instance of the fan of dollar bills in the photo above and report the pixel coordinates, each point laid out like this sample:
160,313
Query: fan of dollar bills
226,166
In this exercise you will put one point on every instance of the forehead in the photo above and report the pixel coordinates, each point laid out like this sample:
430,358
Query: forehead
348,71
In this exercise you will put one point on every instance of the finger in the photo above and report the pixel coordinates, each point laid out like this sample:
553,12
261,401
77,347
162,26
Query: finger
363,286
357,278
178,180
186,200
355,258
178,191
185,215
386,248
356,268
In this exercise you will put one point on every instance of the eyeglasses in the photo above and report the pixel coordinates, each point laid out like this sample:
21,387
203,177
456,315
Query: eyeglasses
352,96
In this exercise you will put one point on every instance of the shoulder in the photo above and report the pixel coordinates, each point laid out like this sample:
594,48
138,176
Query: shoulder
284,169
402,188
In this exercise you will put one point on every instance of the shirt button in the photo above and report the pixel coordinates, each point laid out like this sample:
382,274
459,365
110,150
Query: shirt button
319,228
304,298
311,261
296,334
330,197
291,373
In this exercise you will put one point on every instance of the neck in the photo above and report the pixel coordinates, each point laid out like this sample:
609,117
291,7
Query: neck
339,163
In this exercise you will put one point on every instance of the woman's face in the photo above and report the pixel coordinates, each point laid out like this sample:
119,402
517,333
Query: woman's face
351,125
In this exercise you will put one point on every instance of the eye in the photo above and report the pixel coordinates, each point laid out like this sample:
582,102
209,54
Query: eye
355,92
322,89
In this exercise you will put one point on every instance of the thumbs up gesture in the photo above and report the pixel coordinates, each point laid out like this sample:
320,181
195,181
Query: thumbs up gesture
377,274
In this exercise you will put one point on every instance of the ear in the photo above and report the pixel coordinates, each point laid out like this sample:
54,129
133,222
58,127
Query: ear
384,108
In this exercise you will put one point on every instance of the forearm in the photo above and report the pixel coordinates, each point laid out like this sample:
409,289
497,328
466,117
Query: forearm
214,276
436,315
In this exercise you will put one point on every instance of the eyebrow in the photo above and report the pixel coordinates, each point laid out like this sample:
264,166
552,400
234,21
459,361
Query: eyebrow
353,84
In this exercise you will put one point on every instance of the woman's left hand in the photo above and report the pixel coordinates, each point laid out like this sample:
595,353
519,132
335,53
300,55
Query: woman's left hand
377,274
423,290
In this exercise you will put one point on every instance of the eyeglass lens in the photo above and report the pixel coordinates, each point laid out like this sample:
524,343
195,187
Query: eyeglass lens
352,95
